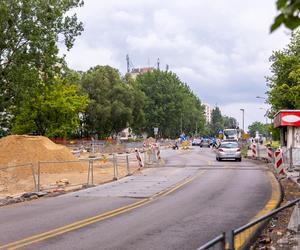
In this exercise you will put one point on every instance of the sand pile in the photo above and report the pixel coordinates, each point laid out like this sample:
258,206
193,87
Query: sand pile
20,149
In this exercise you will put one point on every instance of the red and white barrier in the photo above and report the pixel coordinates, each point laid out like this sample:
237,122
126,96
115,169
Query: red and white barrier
139,158
254,150
279,166
158,153
269,154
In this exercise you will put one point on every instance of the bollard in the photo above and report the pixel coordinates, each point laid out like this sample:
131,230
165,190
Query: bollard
39,177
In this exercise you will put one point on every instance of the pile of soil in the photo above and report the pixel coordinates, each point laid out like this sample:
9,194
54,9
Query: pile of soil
114,148
21,149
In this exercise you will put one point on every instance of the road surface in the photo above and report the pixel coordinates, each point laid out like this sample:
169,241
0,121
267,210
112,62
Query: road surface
190,200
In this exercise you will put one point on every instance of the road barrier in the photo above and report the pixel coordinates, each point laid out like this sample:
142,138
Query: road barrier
139,158
244,234
269,154
254,150
278,165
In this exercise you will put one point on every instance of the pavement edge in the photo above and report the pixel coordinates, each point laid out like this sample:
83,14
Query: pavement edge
249,235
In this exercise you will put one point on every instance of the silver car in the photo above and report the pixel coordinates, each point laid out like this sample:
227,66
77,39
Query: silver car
228,150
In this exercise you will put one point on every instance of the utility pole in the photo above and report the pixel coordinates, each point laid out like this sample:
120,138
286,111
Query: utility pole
127,61
243,110
157,63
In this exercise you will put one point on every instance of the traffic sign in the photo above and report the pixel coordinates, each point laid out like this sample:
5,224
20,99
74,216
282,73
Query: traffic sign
155,131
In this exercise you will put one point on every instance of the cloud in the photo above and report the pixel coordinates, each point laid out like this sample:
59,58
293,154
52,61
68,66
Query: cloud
220,48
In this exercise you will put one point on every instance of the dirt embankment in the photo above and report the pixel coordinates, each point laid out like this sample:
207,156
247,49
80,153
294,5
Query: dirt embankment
22,149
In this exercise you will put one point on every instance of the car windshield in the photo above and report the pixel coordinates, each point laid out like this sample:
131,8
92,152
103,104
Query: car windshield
229,145
229,132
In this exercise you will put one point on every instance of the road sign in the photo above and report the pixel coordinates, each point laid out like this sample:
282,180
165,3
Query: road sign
220,131
155,130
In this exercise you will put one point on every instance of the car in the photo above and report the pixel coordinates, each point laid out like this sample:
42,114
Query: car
205,142
196,142
228,150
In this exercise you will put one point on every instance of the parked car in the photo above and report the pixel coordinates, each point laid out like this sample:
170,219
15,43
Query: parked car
196,142
205,142
229,150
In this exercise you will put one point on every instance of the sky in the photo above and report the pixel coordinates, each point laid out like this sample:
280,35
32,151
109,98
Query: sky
219,48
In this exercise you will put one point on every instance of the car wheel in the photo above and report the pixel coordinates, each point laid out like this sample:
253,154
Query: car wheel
238,159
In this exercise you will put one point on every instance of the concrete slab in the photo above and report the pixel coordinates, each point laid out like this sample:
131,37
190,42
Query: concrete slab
147,184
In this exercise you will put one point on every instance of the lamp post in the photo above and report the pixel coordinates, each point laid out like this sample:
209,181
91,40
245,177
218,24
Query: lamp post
266,114
260,97
243,110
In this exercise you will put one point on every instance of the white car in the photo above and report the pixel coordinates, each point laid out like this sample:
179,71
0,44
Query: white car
229,150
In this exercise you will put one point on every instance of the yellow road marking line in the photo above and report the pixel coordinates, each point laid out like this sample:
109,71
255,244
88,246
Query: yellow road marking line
94,219
72,224
272,203
78,226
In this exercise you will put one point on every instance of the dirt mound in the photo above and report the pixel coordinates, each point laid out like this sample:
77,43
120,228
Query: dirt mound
20,149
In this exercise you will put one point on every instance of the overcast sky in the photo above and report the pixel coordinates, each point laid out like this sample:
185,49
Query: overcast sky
220,48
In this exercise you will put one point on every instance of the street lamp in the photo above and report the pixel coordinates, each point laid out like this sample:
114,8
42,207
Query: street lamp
243,110
260,97
266,114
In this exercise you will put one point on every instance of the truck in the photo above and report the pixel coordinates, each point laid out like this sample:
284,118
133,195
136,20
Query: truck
231,134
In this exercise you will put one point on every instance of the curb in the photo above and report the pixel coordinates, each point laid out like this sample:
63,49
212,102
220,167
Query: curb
273,203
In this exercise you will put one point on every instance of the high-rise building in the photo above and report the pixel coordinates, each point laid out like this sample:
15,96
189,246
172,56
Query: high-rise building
207,112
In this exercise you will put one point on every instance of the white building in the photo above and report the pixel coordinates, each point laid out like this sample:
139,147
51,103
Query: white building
207,112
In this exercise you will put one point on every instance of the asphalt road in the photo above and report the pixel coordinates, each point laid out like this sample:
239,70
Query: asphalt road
202,198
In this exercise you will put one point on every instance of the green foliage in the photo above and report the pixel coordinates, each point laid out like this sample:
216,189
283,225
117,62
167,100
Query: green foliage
171,105
115,103
258,126
218,121
29,33
284,84
288,14
53,112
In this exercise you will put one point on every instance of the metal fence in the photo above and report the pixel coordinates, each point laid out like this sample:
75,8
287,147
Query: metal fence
69,175
242,237
17,178
218,243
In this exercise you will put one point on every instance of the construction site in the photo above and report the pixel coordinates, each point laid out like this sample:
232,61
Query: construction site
37,164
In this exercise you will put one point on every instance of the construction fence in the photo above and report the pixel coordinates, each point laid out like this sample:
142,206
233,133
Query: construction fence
54,176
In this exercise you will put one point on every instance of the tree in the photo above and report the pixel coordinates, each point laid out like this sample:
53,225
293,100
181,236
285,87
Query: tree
284,84
257,126
217,121
229,122
288,14
29,33
115,104
170,104
53,112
